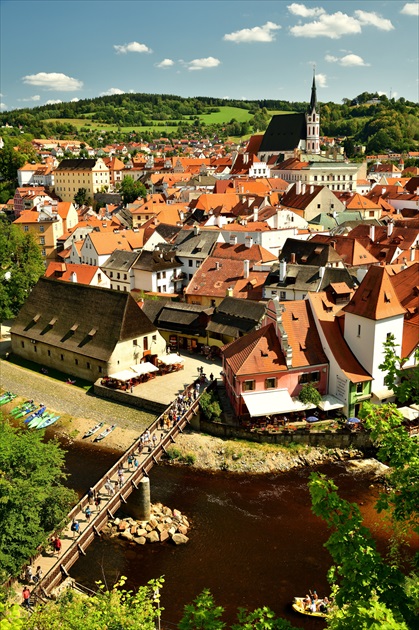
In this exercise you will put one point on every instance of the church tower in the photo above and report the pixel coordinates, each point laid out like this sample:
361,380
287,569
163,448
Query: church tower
313,123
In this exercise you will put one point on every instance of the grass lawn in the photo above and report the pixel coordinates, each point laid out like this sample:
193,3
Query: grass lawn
54,374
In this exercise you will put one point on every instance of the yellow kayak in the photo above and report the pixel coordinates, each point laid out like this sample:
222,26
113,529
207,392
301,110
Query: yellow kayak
298,606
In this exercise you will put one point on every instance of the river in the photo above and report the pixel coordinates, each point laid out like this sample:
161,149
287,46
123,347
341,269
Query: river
254,540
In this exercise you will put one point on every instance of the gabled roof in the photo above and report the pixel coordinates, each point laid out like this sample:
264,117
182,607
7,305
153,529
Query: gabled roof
189,244
309,252
255,253
231,318
63,271
326,312
300,201
349,249
85,320
82,164
157,260
259,352
406,286
218,275
375,297
120,260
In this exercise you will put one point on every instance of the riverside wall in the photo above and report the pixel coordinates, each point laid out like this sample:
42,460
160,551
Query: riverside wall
340,438
126,398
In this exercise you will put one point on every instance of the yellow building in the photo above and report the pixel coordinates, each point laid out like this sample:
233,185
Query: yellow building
46,226
71,175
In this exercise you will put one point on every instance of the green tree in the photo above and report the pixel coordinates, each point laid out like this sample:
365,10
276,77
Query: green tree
309,394
21,265
81,196
131,190
371,591
403,382
33,501
115,609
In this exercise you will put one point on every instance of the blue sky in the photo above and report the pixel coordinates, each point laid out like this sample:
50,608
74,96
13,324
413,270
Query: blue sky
61,51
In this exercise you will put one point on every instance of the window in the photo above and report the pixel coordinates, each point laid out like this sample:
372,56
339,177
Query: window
163,275
25,228
125,276
145,343
62,357
22,343
35,349
359,388
190,263
99,369
41,228
42,240
270,383
117,286
158,275
118,275
111,274
248,386
190,276
43,252
154,338
318,206
134,342
76,361
359,330
99,277
309,377
49,353
197,263
88,365
282,295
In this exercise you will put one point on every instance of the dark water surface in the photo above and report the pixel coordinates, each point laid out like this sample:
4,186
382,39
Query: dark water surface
254,540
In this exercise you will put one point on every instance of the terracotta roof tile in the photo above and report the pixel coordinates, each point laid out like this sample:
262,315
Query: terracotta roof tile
375,297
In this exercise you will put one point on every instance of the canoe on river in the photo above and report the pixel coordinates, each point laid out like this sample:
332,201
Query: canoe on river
298,606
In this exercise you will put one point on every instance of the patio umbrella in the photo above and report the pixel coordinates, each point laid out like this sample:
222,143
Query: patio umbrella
312,419
353,421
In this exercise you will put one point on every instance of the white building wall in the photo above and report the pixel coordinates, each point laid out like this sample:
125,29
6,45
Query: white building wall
145,281
366,339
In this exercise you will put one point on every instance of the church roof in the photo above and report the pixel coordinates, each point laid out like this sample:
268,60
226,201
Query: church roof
313,100
284,132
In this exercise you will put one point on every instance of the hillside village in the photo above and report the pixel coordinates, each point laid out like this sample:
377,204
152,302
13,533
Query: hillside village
290,263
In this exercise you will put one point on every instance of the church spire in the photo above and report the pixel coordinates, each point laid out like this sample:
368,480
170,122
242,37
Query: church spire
313,100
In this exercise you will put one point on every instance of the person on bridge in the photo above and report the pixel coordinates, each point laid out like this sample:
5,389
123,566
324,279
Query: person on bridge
56,545
88,513
75,527
38,575
26,594
90,495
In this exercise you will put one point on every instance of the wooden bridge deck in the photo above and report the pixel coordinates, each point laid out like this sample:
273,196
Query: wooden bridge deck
54,567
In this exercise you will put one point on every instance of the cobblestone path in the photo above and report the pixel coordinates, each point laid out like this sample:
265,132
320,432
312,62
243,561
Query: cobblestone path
65,398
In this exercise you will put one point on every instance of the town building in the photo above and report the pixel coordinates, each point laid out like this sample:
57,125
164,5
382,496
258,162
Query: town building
71,175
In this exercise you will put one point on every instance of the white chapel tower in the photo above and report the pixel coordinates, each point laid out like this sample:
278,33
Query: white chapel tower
313,123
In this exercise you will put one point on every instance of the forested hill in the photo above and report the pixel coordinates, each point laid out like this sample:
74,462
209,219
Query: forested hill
370,119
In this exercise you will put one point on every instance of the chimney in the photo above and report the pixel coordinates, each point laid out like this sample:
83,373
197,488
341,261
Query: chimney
321,272
217,265
303,189
282,270
181,215
412,255
233,239
372,233
293,258
196,230
311,189
298,187
229,292
73,276
246,264
390,226
256,214
248,241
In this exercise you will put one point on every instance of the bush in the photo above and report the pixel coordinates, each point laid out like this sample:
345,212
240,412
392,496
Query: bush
173,452
309,394
190,458
210,405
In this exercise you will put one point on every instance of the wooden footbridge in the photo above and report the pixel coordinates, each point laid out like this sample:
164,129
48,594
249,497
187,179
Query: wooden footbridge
74,545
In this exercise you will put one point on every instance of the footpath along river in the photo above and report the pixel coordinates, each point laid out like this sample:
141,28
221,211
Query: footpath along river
254,540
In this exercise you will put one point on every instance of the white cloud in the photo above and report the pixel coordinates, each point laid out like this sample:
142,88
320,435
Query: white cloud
3,106
166,63
347,60
263,33
111,92
321,80
411,8
53,81
201,64
53,102
302,11
132,47
74,100
371,18
30,99
334,26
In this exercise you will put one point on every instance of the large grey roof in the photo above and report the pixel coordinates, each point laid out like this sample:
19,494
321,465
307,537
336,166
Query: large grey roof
86,320
308,278
235,317
157,260
76,164
309,252
200,245
120,260
284,133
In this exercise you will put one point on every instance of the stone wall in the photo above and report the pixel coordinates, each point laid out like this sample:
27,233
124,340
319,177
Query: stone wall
126,398
341,438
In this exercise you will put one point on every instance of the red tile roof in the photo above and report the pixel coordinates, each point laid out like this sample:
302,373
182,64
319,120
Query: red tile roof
375,297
